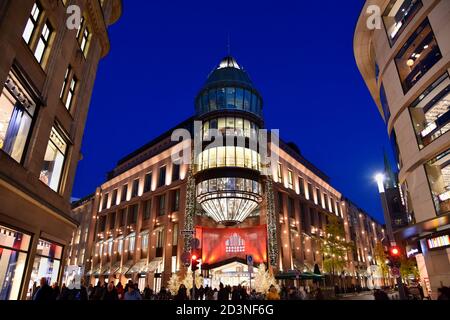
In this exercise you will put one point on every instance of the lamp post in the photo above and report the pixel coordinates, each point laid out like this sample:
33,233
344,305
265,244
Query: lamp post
380,178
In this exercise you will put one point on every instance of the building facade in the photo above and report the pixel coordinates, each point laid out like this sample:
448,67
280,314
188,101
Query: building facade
147,211
47,73
405,63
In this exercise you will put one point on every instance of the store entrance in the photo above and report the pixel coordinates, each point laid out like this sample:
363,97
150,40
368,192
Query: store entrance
232,274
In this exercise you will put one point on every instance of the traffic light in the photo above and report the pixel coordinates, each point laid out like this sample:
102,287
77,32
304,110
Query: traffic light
194,263
394,257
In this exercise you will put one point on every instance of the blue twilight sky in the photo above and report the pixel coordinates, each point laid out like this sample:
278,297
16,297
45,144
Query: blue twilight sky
299,54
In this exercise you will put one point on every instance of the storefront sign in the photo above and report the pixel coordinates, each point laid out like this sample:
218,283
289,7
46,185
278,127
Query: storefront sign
413,249
438,242
219,244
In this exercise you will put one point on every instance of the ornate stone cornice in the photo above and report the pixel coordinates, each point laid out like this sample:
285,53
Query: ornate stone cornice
98,25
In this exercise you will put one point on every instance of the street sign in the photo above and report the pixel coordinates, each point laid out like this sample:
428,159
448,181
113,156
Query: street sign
395,272
250,263
195,243
186,259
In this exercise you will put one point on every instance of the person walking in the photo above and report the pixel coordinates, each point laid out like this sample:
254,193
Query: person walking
148,293
110,293
182,293
44,293
223,293
132,293
273,293
120,291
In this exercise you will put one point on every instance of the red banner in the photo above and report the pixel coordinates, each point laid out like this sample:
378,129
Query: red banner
219,244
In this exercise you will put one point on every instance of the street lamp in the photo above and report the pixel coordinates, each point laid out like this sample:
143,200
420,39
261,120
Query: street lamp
379,178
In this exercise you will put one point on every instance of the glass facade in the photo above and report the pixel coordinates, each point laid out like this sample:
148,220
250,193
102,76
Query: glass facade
430,112
228,157
14,247
230,126
438,172
418,55
398,15
16,114
47,263
234,98
54,159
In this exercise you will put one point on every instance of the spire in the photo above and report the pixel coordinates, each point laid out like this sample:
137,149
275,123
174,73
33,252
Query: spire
390,181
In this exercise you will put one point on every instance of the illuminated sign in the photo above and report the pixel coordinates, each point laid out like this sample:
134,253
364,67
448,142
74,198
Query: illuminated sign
438,242
220,244
412,250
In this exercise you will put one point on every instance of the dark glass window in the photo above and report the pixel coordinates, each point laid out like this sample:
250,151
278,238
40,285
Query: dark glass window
312,219
147,209
385,104
419,54
303,217
247,100
212,100
148,182
132,214
398,15
135,188
175,172
430,111
161,205
310,192
112,221
280,202
105,201
319,198
123,216
205,102
102,223
291,208
114,198
301,186
221,98
239,98
162,177
231,103
176,200
123,196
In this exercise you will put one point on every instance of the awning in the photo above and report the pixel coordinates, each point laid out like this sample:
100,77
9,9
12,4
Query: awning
143,267
302,267
292,275
94,272
110,270
124,268
105,269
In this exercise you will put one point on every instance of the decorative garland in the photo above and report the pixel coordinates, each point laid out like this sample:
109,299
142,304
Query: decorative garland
271,224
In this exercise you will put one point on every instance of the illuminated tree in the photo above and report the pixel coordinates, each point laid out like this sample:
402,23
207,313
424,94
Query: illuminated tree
188,280
174,284
409,268
334,247
381,258
264,279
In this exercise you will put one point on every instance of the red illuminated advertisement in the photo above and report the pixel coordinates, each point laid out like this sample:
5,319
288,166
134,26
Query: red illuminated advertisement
222,244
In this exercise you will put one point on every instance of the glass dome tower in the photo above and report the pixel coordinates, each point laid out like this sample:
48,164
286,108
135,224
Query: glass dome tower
227,175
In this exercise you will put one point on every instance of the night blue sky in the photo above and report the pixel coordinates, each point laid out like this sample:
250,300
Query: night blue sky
299,54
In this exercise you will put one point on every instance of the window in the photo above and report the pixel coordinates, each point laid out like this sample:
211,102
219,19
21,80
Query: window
123,216
68,88
229,156
132,214
147,209
14,247
162,177
327,204
43,42
417,56
310,192
46,264
160,238
438,172
131,242
102,224
291,208
32,23
385,104
318,198
105,201
123,195
176,200
16,116
135,188
175,172
148,182
430,111
114,198
144,244
301,186
303,209
112,220
279,174
109,246
175,235
290,180
161,205
398,15
54,159
280,202
83,36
